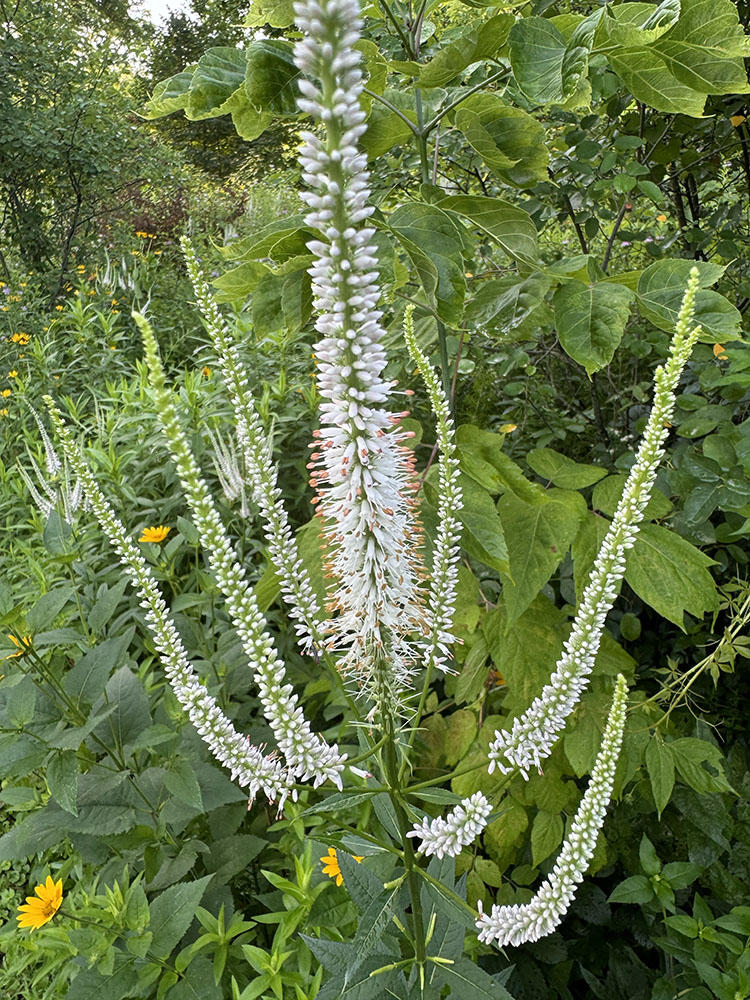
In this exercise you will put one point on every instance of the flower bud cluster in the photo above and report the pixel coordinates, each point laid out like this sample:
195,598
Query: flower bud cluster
460,828
531,921
246,763
307,755
534,734
363,474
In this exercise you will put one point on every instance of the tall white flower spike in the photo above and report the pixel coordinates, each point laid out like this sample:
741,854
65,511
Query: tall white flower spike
282,548
533,735
531,921
460,828
363,474
307,755
247,764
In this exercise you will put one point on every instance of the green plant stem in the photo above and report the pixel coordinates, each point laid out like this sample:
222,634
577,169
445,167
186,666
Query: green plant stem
391,767
458,774
391,107
434,122
399,30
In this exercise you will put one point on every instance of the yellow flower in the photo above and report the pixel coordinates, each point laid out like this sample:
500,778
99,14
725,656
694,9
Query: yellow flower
13,374
23,284
23,646
112,347
331,865
4,412
154,534
59,308
206,371
136,253
156,253
737,120
36,912
507,428
5,393
661,218
720,353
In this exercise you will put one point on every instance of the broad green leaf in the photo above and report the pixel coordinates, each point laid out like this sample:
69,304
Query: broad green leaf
483,536
510,227
56,536
660,767
20,704
501,834
689,756
460,733
636,24
198,984
660,291
277,13
240,281
706,47
563,471
279,240
525,655
386,129
270,78
473,673
546,835
106,605
482,457
86,680
180,780
220,71
90,984
249,122
537,50
648,79
48,607
131,715
538,537
20,755
502,304
169,95
376,71
479,41
172,912
434,242
636,889
670,574
575,63
62,780
582,743
591,320
511,142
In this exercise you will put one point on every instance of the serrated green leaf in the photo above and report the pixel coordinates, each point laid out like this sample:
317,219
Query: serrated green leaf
62,780
48,607
172,912
660,767
563,471
546,835
180,780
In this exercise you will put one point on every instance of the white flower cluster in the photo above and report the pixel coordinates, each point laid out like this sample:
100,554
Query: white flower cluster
531,921
246,763
55,489
307,755
460,828
534,734
441,599
363,474
282,549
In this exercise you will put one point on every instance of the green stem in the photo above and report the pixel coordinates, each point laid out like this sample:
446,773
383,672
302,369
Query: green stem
392,107
426,129
399,30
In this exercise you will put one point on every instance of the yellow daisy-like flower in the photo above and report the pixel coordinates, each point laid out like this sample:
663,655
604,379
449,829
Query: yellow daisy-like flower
720,353
154,534
58,308
36,912
206,371
661,218
331,866
6,392
4,412
23,645
13,374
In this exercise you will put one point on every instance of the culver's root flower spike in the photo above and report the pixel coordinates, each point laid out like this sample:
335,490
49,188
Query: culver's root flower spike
531,921
533,735
363,473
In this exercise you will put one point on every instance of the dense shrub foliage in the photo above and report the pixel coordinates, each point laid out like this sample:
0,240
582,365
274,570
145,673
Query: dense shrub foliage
543,180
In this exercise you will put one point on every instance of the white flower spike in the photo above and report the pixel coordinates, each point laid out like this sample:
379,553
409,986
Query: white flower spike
533,735
531,921
460,828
